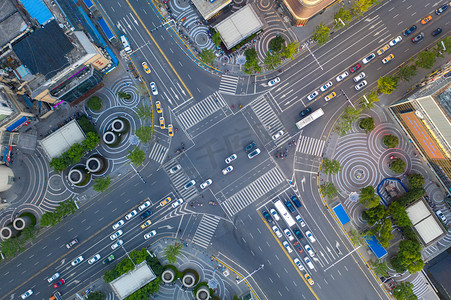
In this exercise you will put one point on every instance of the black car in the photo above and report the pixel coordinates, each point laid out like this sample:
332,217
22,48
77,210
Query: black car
146,214
441,9
267,216
418,38
298,233
108,259
296,201
305,112
436,32
410,30
289,206
249,147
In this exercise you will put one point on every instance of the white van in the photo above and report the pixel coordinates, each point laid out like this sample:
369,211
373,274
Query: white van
125,44
309,263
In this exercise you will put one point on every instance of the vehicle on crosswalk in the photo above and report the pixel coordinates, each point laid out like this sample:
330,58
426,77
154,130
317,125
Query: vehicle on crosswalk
175,169
277,135
190,184
310,118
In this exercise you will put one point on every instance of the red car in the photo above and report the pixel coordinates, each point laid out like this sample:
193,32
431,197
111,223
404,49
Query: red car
58,283
298,246
355,68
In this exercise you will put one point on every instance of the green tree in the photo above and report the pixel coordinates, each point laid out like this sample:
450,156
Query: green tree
10,247
291,50
396,264
251,64
426,59
416,181
368,198
380,267
276,44
124,95
391,141
367,124
207,56
144,112
136,156
383,232
91,141
411,196
403,291
409,256
321,34
28,233
97,295
235,297
144,133
172,251
101,184
356,237
58,164
368,103
375,214
344,15
349,116
94,103
329,190
398,165
49,219
387,84
216,38
447,42
407,72
155,264
331,166
399,214
272,60
361,6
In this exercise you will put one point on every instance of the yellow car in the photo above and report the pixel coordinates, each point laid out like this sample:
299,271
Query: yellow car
426,20
146,67
158,105
148,222
165,201
330,96
170,131
383,49
162,122
388,58
309,279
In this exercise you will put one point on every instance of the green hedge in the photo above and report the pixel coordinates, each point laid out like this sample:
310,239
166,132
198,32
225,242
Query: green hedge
126,265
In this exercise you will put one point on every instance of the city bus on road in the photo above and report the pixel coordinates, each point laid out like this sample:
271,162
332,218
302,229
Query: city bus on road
284,213
310,118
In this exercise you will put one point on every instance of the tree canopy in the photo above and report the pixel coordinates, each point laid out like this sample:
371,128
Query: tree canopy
331,166
321,34
136,156
391,141
368,198
172,251
101,184
387,84
398,165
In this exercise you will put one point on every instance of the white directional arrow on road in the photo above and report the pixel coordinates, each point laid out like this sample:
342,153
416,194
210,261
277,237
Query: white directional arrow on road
166,226
183,91
302,183
62,262
73,282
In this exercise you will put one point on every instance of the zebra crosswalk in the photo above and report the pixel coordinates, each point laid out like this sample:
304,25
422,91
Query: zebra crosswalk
201,110
179,179
205,230
253,191
158,153
268,117
228,84
309,145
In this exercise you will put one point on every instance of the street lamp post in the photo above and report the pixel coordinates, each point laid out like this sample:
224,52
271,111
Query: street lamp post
255,271
346,96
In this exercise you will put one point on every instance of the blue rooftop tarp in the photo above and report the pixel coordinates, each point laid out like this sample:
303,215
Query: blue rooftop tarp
38,10
88,3
17,124
341,214
376,247
106,29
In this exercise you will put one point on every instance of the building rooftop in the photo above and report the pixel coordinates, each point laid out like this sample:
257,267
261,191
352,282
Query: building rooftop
302,10
424,222
133,280
38,11
208,8
12,24
44,51
62,139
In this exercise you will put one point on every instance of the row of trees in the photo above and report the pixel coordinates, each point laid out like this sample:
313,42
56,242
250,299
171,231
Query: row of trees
63,209
11,247
126,265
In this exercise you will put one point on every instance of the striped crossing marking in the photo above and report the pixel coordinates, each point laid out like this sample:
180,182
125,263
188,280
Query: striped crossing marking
158,153
179,179
228,84
312,146
205,230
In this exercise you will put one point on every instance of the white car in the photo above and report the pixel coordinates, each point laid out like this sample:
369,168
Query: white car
309,250
309,263
153,88
206,183
361,85
287,246
274,214
77,261
116,235
190,184
359,77
55,276
118,224
227,170
299,264
288,234
27,294
273,81
326,86
231,158
277,231
144,205
368,58
299,219
277,135
177,203
396,41
150,234
175,169
94,259
342,76
310,236
312,96
131,215
117,244
253,153
441,216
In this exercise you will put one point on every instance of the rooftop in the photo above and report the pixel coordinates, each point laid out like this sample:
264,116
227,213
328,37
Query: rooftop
12,24
208,9
62,139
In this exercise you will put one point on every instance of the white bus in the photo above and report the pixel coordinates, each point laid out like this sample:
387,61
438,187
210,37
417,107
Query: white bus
284,212
126,44
310,118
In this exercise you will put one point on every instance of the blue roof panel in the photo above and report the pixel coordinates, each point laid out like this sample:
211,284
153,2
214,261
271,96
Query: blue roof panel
341,214
38,10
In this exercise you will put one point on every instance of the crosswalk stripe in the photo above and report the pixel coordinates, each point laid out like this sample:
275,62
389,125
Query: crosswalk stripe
179,179
205,231
158,152
268,117
228,84
309,145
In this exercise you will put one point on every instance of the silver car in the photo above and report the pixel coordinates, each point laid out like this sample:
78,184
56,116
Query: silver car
118,224
395,41
312,96
342,76
77,261
359,77
117,244
231,158
130,215
206,183
227,170
361,85
153,88
94,259
55,276
116,235
27,294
